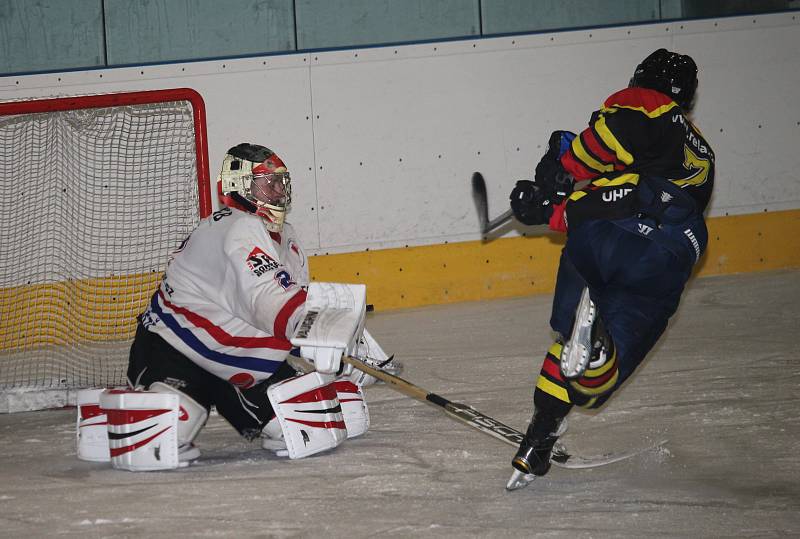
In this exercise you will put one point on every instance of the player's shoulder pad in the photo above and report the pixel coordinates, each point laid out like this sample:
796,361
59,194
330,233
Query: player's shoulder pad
650,102
288,230
247,231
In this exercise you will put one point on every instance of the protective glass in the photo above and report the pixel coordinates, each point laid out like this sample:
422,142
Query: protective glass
273,189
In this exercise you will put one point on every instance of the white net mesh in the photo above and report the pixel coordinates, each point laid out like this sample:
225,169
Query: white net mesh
92,202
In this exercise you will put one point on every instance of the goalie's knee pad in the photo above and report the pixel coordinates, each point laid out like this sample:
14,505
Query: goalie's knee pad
309,414
142,429
354,406
192,418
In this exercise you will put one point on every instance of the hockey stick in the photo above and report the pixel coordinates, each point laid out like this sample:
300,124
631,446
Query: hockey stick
460,412
482,206
488,425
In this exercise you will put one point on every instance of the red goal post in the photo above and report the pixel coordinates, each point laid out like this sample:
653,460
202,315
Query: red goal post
96,191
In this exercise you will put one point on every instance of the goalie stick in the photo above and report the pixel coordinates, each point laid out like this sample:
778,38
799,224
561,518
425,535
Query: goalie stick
488,425
482,206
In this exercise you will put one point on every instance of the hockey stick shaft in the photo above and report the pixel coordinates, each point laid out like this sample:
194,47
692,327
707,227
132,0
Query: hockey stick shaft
471,417
499,220
456,410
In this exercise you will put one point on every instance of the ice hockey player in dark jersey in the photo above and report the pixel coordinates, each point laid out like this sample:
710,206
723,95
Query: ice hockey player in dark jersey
220,329
630,191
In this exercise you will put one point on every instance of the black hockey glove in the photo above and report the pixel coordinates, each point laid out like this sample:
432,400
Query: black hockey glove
529,204
550,175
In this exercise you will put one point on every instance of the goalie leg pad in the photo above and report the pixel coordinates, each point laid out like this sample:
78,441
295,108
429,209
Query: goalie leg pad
354,407
92,427
192,418
142,429
309,414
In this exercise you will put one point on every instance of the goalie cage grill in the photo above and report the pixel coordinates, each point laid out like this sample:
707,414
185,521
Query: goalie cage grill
96,192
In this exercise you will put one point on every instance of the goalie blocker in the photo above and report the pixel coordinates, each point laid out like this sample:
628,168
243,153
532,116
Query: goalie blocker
332,324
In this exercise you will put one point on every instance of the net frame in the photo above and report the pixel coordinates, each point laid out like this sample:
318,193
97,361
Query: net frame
93,290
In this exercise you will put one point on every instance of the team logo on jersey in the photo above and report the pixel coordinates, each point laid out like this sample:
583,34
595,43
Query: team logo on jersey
284,279
293,247
260,263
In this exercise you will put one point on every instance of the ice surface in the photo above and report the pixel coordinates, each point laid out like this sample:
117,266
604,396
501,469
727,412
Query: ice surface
722,387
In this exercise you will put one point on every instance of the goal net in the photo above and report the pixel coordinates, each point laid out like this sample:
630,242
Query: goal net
95,192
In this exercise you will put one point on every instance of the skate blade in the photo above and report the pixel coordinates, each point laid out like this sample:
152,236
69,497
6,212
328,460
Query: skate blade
519,480
576,352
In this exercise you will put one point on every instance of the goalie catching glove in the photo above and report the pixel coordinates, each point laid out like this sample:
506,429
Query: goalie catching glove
332,324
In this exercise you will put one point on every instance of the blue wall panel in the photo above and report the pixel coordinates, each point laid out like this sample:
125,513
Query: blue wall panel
56,35
505,16
37,35
343,23
141,31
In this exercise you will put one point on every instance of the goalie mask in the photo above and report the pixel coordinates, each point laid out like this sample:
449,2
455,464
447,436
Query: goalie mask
255,179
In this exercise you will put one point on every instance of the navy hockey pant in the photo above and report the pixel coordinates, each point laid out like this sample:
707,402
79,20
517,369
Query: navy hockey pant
635,280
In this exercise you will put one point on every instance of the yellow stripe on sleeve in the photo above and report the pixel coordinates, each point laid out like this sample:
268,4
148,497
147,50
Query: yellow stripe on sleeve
655,113
622,179
611,141
590,162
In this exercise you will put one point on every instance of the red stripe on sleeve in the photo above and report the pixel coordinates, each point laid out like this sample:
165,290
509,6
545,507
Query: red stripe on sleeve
282,320
572,165
591,143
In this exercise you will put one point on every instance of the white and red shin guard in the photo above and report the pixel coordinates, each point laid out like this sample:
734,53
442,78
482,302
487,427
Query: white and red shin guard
309,415
142,429
139,430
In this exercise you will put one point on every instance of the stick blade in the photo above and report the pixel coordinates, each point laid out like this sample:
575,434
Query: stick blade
480,198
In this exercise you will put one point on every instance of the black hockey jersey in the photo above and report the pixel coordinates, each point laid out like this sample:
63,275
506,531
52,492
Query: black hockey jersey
638,134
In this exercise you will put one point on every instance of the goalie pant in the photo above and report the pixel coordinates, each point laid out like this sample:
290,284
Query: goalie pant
152,359
636,283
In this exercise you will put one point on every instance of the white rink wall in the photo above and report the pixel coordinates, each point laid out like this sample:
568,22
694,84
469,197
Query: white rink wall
382,141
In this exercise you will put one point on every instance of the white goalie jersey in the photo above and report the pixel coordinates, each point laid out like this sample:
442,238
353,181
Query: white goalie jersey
232,296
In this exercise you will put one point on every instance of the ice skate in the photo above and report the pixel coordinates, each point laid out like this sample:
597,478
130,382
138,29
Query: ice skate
533,456
187,454
577,350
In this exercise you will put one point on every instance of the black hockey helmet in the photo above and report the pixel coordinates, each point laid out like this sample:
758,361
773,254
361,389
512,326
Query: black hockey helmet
670,73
